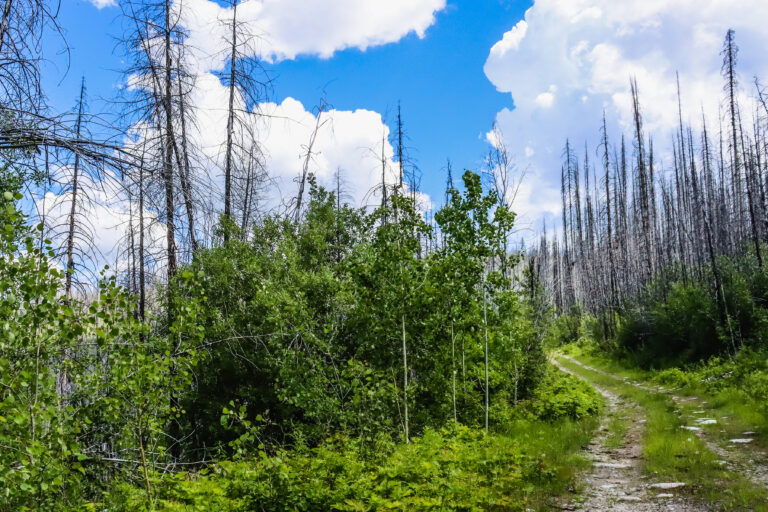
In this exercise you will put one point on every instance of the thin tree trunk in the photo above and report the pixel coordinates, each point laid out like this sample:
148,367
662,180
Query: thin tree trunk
246,197
142,275
383,180
611,262
5,22
73,208
400,149
170,212
230,121
405,379
730,52
719,292
185,169
485,328
170,208
307,160
453,371
749,183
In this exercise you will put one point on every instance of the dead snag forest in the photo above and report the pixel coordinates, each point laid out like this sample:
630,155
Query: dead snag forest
648,224
310,354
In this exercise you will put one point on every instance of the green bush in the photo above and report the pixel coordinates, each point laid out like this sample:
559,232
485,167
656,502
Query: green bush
564,330
679,322
531,453
592,331
675,377
78,382
564,396
455,468
304,322
664,333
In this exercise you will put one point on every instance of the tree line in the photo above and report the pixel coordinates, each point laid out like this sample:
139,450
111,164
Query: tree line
633,224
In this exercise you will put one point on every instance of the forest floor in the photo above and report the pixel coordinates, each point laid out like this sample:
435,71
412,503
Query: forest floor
656,451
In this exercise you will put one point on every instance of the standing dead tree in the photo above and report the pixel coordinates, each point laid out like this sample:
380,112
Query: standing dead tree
247,83
309,152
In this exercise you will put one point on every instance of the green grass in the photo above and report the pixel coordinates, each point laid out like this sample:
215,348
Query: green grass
617,425
673,454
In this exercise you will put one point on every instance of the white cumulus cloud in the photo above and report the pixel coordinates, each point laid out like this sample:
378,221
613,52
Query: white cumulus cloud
349,142
285,29
511,40
100,4
569,60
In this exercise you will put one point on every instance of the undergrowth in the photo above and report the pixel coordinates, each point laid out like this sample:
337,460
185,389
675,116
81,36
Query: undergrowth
521,465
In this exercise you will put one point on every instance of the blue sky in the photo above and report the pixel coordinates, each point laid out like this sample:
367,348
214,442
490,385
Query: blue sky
448,103
558,64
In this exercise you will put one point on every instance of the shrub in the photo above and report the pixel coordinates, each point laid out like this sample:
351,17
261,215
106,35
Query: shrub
564,330
681,329
454,468
564,396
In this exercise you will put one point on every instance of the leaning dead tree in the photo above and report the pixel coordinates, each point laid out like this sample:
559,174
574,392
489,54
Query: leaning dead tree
155,47
22,23
27,128
50,154
308,155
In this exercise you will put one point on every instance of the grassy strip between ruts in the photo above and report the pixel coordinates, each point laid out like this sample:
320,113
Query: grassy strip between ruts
674,454
617,426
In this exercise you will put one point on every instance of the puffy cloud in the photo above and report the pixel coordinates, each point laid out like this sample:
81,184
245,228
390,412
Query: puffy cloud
100,4
511,40
569,60
352,143
546,99
533,198
349,142
346,141
284,29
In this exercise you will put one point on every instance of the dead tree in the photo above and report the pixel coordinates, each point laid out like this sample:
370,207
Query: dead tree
74,192
309,152
248,83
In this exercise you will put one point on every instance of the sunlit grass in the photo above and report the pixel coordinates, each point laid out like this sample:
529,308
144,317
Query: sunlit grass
744,412
673,454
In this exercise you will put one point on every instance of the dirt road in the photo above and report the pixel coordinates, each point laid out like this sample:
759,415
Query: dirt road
617,482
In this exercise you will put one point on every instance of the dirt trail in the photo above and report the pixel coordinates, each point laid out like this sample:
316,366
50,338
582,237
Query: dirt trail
740,456
616,482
